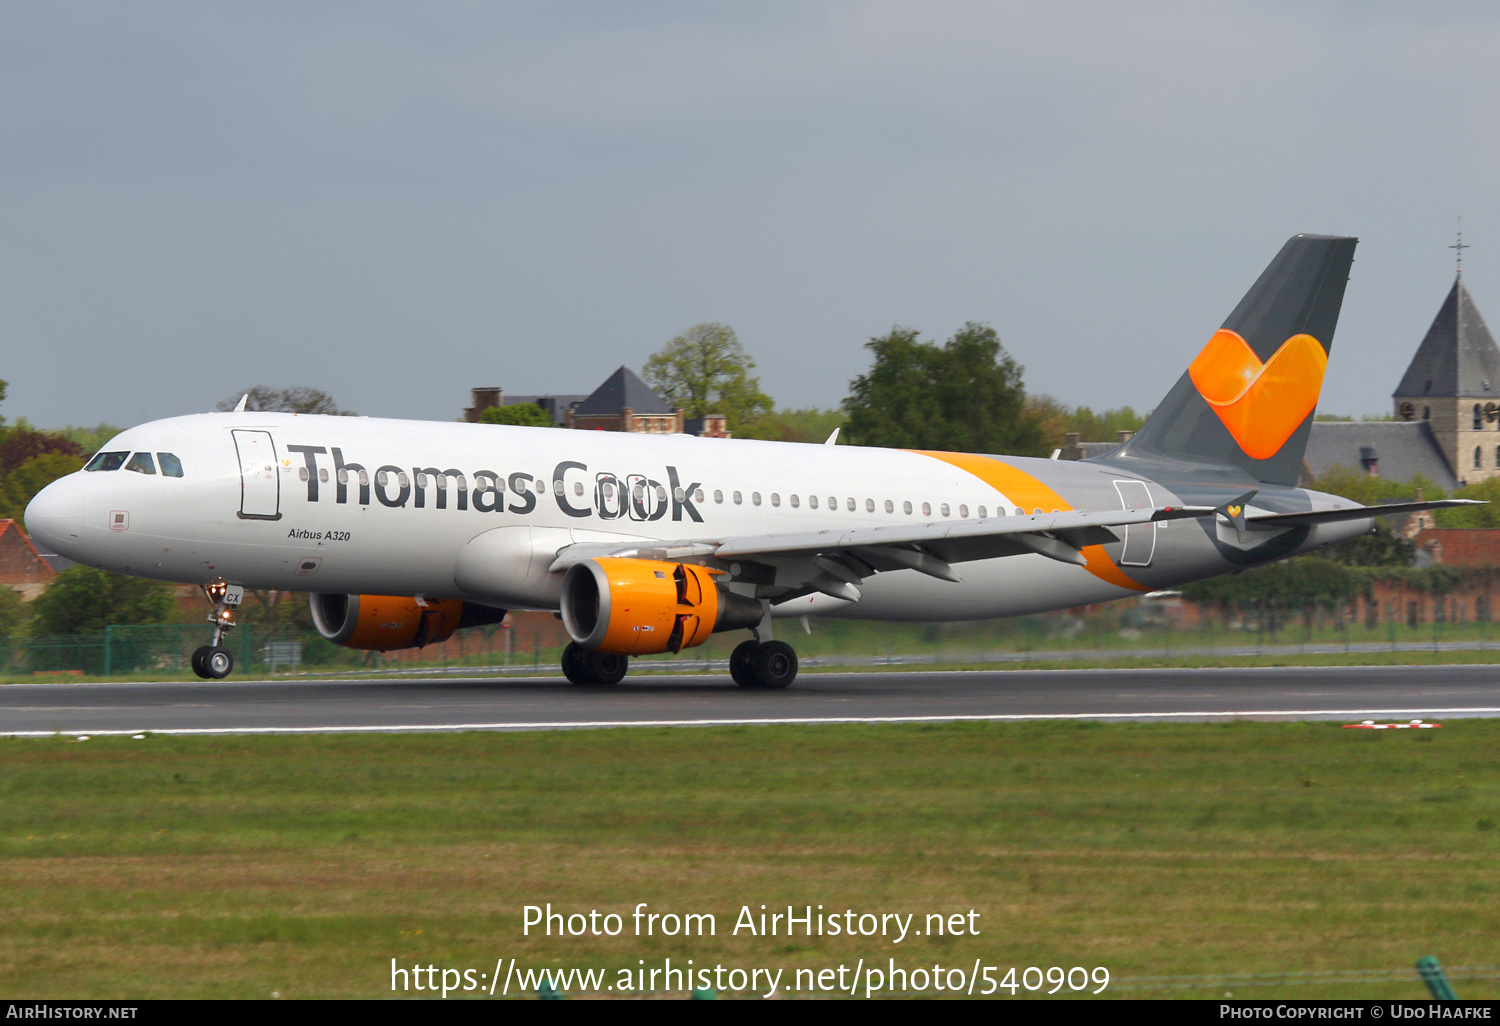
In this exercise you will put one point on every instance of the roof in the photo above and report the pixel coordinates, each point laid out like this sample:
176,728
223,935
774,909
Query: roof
20,562
1458,357
1404,449
622,390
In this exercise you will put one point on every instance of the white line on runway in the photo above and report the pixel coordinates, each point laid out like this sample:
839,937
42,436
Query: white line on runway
598,724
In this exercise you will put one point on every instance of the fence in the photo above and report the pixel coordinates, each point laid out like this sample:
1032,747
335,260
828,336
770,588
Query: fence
1156,628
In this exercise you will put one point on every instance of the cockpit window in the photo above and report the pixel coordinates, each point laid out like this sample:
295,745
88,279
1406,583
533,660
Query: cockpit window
171,466
141,463
107,461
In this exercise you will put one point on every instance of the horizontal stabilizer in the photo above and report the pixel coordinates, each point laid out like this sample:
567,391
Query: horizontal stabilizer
1324,516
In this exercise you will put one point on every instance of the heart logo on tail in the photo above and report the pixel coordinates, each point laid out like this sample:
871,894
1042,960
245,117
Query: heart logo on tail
1261,404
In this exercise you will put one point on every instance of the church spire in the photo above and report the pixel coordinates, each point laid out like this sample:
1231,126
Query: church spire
1460,246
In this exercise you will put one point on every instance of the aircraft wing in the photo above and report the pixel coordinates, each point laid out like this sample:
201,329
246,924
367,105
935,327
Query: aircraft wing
835,561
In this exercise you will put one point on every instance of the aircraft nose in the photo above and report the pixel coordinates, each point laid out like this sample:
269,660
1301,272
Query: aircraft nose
55,516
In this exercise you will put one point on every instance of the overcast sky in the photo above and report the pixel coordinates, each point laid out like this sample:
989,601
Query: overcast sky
396,202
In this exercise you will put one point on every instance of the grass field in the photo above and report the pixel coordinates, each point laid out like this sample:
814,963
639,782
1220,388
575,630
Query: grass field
239,867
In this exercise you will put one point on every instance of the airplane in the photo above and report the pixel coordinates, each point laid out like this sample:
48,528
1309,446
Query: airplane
403,532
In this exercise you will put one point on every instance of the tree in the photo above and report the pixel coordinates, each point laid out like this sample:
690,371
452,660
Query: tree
706,370
965,395
22,443
82,600
22,484
1488,491
264,399
809,425
89,439
13,611
519,414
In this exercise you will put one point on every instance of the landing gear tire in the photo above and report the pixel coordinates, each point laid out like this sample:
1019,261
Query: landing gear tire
583,666
607,667
742,664
775,665
199,655
575,663
217,663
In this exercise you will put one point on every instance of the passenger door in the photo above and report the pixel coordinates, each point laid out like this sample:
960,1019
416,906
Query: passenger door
260,482
1140,539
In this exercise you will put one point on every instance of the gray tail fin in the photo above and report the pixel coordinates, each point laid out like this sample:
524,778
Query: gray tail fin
1246,403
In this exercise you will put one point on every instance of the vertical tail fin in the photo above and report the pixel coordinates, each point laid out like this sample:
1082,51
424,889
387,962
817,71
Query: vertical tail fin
1247,399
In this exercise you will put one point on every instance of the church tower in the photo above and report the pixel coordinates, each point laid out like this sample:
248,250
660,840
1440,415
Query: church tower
1453,383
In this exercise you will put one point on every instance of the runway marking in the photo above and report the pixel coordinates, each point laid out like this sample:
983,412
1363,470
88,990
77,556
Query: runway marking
599,724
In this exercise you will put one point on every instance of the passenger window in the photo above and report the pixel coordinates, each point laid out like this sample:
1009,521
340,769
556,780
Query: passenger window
698,495
982,513
890,507
171,466
833,503
906,507
718,496
108,461
141,463
776,498
755,498
849,502
302,475
812,502
322,474
738,498
869,505
794,501
1000,511
945,510
927,509
963,511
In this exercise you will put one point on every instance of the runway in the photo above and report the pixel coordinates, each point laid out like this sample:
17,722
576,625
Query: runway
549,703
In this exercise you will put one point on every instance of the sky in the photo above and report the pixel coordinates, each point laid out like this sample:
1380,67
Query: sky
398,202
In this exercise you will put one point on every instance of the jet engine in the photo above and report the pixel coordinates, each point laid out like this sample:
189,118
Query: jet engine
640,606
386,622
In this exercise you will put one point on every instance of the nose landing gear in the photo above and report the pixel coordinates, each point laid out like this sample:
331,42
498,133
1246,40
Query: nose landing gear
213,662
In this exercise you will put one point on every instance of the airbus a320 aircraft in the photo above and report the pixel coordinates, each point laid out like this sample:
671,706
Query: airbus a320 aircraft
403,532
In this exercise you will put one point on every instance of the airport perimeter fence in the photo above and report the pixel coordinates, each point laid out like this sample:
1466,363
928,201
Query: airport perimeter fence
529,647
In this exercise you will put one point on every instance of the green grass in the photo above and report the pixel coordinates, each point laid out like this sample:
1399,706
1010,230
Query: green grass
239,866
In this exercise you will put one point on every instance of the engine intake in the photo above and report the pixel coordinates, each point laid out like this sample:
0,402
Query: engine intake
386,622
640,606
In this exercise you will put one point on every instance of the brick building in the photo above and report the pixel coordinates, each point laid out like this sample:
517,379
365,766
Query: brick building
22,567
622,403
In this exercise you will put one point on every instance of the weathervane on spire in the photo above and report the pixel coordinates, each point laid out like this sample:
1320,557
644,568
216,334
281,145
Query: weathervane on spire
1460,245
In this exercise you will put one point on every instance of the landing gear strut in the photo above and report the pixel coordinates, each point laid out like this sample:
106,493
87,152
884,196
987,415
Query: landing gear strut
755,664
213,662
585,666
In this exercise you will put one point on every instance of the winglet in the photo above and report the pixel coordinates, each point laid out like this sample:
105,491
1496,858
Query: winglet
833,438
1234,509
240,406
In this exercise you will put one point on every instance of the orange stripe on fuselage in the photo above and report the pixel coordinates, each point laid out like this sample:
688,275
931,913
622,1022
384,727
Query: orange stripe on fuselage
1030,493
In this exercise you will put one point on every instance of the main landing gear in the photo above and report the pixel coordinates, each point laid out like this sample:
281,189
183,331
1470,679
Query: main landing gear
756,664
585,666
213,662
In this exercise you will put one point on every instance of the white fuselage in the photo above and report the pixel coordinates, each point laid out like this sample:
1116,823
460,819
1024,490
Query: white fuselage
363,505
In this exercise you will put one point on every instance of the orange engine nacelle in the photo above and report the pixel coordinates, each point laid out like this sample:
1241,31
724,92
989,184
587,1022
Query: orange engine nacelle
385,622
640,606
